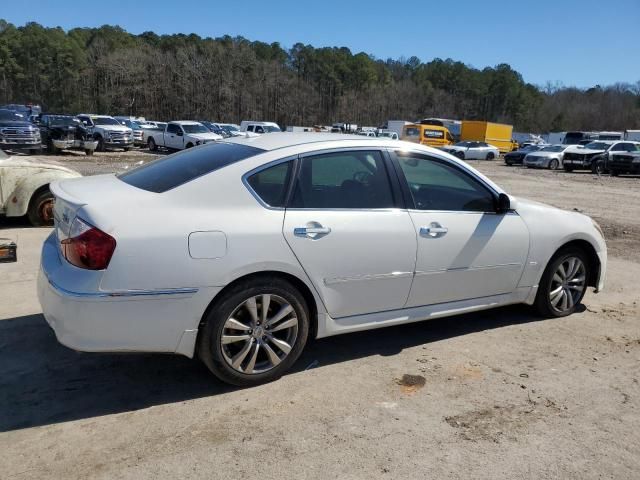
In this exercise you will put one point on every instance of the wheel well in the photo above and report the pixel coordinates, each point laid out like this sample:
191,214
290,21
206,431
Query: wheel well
39,190
299,284
592,258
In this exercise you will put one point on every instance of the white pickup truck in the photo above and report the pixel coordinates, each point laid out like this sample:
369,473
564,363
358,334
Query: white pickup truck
180,135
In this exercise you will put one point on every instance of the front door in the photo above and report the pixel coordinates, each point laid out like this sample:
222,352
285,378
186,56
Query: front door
465,249
173,136
342,224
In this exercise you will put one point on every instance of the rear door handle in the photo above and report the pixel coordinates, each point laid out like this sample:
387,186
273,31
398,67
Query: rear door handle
311,232
434,230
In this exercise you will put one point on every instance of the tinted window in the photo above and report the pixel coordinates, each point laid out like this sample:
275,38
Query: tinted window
173,128
259,129
348,179
436,185
250,128
271,183
174,170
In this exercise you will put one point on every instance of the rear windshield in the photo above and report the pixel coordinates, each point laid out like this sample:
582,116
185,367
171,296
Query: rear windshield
182,167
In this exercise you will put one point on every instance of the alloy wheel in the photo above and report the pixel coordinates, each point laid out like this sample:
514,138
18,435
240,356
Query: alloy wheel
259,334
567,284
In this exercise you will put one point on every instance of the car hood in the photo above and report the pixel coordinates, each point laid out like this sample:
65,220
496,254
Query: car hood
114,128
544,154
27,162
584,151
16,123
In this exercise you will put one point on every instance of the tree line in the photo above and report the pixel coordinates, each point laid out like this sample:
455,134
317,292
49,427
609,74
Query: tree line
227,79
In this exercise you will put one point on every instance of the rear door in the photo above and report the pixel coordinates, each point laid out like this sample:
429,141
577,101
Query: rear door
344,226
465,249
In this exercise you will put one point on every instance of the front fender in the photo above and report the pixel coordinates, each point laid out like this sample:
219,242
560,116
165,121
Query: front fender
18,200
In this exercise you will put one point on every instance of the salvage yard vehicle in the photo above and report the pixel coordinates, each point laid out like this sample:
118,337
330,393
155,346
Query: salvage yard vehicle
64,132
621,163
424,134
108,132
136,128
16,133
549,156
594,156
24,187
517,157
180,273
259,127
180,135
496,134
473,151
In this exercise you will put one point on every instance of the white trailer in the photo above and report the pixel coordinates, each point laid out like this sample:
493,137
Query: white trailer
632,135
554,138
397,126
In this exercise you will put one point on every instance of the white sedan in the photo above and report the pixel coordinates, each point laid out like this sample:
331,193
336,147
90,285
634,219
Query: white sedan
473,151
240,251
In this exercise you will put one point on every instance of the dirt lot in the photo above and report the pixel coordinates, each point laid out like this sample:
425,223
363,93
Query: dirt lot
499,394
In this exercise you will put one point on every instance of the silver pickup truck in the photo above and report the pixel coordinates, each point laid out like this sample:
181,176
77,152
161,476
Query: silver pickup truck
180,135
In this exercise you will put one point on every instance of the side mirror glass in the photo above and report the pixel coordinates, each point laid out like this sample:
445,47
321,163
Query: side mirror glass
503,203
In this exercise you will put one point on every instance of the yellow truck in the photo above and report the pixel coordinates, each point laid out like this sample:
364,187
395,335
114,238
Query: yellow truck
496,134
431,135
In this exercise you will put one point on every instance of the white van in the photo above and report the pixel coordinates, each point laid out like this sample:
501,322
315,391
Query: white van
259,127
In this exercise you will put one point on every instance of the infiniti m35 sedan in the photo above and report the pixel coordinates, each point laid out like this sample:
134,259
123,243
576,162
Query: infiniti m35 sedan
241,251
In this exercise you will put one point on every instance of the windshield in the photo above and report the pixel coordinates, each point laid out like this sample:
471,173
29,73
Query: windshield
197,128
10,115
553,148
105,121
597,146
62,121
230,128
271,129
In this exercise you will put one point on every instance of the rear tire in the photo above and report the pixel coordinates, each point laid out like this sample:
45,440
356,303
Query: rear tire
554,287
490,156
126,149
460,155
614,173
40,211
152,145
88,152
232,361
553,164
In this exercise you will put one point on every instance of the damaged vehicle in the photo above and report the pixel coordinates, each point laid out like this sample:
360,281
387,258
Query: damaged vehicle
595,156
108,132
24,188
65,132
621,163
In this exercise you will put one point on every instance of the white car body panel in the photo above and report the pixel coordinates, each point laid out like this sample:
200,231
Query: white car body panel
361,275
474,153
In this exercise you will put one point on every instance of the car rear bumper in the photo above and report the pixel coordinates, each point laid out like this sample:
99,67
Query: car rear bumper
86,318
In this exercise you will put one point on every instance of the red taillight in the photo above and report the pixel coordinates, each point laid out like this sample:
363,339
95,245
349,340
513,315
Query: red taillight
88,247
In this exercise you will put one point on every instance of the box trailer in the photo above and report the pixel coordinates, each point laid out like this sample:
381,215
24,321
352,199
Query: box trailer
632,135
496,134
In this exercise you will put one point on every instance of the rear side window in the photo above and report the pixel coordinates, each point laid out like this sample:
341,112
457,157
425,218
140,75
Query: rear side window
182,167
271,183
348,179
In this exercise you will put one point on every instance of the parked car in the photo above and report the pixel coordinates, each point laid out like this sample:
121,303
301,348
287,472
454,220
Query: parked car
24,187
16,133
215,128
388,134
231,256
108,132
517,157
547,157
594,155
367,133
136,128
621,163
63,132
259,127
473,151
180,135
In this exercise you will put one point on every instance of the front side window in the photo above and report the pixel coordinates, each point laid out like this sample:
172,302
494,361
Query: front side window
173,128
271,183
196,128
436,185
347,179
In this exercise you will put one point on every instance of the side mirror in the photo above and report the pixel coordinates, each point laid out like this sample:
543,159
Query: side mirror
503,205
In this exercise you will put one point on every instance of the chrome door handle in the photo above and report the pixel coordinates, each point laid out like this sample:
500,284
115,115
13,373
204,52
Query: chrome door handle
434,230
311,232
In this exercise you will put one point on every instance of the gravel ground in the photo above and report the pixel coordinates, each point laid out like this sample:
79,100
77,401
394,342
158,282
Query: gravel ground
499,394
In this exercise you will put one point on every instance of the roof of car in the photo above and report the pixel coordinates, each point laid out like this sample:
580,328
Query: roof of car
274,141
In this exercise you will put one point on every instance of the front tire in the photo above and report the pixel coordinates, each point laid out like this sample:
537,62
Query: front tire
152,145
554,164
100,147
460,155
255,332
563,284
490,156
40,211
